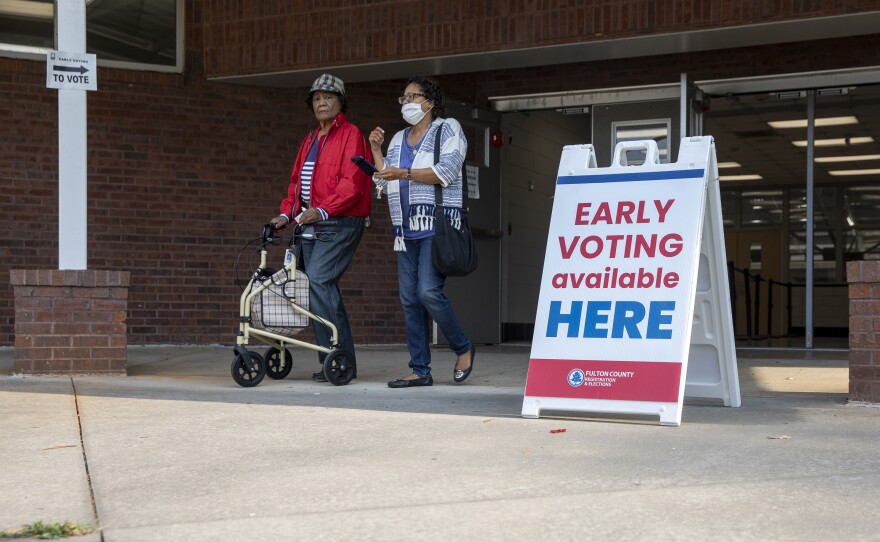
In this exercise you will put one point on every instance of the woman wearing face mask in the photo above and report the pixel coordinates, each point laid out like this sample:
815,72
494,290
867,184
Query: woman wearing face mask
408,175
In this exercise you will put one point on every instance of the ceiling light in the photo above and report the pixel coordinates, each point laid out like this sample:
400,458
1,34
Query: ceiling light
802,123
856,158
740,178
848,172
835,142
723,165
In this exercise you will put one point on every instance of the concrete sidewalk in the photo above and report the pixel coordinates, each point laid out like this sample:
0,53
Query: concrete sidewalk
178,451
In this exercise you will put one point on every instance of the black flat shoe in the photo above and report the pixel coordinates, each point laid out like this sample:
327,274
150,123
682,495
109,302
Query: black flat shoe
461,376
403,383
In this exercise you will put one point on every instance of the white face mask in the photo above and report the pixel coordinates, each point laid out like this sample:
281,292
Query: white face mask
412,113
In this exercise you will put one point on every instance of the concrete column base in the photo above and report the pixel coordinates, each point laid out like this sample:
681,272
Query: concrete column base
70,321
864,331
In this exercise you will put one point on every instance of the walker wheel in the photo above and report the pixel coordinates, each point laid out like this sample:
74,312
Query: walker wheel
243,376
339,367
275,368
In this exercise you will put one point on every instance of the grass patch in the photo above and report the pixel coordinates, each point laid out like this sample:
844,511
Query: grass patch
47,531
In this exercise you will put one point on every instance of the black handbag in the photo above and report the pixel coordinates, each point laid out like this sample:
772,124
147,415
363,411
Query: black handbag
453,251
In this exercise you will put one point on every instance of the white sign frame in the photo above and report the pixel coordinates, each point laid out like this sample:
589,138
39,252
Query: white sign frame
612,373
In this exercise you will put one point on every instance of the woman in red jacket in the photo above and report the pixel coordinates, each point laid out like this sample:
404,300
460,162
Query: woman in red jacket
331,197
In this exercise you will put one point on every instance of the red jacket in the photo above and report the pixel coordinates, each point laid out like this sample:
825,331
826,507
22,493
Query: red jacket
338,185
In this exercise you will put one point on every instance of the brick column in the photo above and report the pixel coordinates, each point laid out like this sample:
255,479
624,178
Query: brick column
864,330
70,321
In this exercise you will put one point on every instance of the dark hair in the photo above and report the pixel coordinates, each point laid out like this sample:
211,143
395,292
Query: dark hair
341,97
431,90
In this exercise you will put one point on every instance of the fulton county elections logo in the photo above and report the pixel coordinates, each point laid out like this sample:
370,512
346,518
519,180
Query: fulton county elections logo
575,378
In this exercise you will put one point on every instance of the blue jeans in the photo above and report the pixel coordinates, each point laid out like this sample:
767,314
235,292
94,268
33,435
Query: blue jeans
422,297
326,257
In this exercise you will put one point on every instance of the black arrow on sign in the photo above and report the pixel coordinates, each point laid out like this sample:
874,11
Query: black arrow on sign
80,69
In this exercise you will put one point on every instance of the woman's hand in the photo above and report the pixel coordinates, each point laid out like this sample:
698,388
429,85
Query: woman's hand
391,173
377,137
309,216
279,222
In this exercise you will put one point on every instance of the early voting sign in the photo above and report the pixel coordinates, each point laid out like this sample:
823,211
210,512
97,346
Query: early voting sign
616,309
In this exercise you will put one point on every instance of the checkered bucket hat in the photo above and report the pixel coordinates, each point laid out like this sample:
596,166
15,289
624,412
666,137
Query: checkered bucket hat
328,83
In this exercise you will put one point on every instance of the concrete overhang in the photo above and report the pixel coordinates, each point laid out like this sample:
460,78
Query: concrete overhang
815,28
671,91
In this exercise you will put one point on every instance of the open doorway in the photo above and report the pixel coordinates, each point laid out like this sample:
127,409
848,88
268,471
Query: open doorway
530,160
760,140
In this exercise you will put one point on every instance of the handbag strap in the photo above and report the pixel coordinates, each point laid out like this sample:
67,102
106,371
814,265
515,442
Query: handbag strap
438,198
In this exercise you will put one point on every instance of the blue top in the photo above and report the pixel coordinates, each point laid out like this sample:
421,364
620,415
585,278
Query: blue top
407,154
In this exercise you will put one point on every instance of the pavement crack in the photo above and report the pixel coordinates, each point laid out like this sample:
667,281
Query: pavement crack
82,445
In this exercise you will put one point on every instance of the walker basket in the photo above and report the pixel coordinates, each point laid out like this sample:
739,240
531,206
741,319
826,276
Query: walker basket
272,311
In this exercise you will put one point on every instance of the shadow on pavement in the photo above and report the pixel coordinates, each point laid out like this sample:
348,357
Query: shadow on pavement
775,380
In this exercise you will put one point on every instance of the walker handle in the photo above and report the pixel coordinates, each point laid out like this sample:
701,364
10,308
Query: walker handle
268,235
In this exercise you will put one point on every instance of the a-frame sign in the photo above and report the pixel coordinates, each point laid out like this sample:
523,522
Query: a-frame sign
634,310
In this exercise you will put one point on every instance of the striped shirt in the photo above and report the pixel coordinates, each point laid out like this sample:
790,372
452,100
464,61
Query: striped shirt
306,177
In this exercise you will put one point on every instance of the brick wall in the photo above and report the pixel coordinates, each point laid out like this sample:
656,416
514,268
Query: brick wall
864,330
181,173
70,321
244,36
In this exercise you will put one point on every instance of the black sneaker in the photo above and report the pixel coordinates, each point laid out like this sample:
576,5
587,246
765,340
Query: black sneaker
319,376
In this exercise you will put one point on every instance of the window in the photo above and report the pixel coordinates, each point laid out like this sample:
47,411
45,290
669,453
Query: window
728,207
862,245
657,130
131,34
825,211
824,259
825,234
862,206
762,208
27,26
